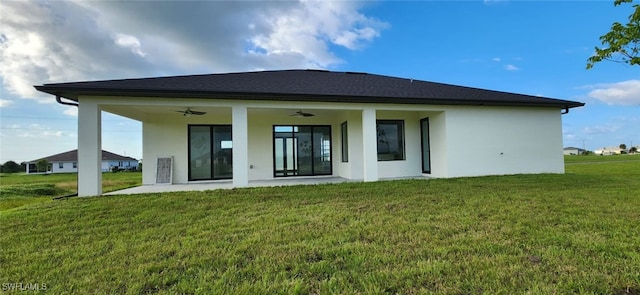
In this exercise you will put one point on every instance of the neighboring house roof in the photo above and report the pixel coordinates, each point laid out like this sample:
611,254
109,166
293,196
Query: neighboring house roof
302,85
573,148
72,156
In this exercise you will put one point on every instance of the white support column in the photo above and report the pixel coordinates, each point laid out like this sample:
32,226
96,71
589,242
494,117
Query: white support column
89,149
369,145
239,129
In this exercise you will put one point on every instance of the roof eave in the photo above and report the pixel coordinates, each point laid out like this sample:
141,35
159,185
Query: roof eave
74,94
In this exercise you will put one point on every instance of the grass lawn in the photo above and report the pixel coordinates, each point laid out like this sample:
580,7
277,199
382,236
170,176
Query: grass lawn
598,158
19,189
536,234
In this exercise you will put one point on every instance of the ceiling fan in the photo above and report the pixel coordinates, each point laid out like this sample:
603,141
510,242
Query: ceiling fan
188,112
301,114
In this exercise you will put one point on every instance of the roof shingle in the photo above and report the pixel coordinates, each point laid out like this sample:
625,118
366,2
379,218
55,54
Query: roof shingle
72,156
303,85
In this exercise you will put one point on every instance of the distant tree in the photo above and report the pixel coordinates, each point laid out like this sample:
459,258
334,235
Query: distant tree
42,165
622,43
633,149
11,167
623,146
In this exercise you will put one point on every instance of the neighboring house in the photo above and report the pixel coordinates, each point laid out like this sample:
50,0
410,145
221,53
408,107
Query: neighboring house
573,151
276,124
67,162
607,151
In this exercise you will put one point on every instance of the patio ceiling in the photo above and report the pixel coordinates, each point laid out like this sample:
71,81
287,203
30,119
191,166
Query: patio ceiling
154,112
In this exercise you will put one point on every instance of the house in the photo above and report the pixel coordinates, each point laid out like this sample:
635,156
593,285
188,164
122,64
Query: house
270,125
573,151
607,151
67,162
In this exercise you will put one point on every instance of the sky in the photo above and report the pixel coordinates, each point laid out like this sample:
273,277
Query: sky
529,47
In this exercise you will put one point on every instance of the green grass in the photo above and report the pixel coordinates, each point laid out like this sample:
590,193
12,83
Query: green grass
599,158
522,234
19,189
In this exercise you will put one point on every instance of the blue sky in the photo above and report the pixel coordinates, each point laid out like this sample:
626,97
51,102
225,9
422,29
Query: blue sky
529,47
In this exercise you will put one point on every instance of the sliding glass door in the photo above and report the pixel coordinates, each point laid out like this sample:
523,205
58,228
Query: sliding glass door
210,152
301,150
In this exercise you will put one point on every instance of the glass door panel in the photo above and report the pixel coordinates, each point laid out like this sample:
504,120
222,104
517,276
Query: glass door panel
321,150
199,152
285,151
278,155
210,152
302,150
222,152
305,150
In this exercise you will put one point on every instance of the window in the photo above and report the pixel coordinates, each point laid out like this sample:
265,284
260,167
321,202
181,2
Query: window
426,147
301,150
390,135
345,142
61,165
210,152
75,164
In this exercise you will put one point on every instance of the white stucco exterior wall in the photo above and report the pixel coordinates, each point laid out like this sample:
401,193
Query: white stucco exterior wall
438,143
67,167
411,165
164,139
107,164
89,147
240,140
464,140
356,165
503,140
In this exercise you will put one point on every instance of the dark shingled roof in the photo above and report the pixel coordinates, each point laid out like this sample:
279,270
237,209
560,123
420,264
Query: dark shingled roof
302,85
72,156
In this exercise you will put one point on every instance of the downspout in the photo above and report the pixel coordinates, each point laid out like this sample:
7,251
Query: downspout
564,111
59,100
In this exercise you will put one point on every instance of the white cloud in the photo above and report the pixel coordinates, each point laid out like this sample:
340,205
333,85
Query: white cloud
305,31
130,42
621,93
496,59
59,41
5,103
601,129
36,130
511,68
71,111
52,42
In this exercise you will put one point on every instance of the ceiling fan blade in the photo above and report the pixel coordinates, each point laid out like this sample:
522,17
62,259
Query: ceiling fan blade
301,114
189,112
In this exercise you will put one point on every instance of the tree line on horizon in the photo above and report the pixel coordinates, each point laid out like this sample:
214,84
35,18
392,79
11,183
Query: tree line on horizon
13,167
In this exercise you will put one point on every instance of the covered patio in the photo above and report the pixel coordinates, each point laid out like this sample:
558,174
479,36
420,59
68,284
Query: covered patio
228,184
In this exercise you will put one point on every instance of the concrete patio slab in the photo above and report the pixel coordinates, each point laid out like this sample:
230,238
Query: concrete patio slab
226,184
